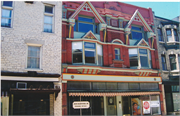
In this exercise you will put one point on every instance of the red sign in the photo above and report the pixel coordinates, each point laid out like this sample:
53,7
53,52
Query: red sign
146,105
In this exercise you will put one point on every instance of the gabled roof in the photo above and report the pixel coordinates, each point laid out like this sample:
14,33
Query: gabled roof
90,35
142,42
88,7
138,17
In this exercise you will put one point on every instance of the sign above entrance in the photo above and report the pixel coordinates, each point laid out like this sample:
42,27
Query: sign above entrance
81,105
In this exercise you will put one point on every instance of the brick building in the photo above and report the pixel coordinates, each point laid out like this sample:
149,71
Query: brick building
168,33
109,60
31,57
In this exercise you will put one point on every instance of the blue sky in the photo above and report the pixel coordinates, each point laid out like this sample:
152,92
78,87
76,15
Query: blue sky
168,10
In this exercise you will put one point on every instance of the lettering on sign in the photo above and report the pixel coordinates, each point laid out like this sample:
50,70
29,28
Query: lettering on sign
81,104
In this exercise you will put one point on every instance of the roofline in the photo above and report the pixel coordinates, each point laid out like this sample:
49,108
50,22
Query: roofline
166,19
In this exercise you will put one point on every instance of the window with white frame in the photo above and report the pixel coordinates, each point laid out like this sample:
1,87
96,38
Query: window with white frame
137,32
140,58
6,14
160,36
169,35
87,53
85,24
163,60
48,18
172,59
33,58
117,53
176,35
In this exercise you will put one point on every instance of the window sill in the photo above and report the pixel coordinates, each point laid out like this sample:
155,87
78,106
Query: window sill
161,42
175,71
118,61
116,28
33,69
165,71
48,32
172,42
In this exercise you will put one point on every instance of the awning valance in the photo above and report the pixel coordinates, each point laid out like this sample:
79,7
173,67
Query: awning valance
114,93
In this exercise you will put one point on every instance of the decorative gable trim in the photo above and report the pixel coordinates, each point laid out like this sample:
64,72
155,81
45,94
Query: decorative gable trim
138,17
88,7
117,40
90,35
143,43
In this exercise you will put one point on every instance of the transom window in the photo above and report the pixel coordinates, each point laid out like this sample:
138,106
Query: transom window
87,53
172,59
140,58
136,32
117,53
33,60
85,24
48,19
6,16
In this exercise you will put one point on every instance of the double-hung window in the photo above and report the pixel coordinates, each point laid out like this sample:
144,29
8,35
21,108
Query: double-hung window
169,35
176,35
160,36
172,59
163,60
6,14
139,58
85,24
136,32
87,53
33,58
48,18
117,53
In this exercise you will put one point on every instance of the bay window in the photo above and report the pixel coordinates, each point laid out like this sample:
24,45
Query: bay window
140,58
87,53
85,24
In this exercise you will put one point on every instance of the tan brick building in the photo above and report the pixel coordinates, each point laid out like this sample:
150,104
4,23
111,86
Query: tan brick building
31,57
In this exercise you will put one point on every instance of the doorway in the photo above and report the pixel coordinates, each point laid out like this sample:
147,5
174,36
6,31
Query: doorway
111,105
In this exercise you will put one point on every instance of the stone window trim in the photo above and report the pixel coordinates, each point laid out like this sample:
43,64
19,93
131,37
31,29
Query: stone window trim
172,28
40,69
50,15
8,8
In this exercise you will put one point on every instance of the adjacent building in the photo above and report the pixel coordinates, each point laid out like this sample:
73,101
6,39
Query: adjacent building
168,36
110,62
31,57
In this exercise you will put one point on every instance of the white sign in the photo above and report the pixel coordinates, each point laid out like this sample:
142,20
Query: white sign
155,104
81,105
146,107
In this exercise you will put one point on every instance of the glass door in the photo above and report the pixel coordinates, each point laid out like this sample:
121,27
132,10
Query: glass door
111,106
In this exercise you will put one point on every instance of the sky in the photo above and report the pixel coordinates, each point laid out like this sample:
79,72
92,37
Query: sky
167,10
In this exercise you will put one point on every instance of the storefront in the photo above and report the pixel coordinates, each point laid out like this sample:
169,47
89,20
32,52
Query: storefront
115,97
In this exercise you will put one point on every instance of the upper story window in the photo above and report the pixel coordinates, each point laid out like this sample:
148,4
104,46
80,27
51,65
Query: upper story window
179,60
139,58
176,35
169,35
172,59
6,14
87,53
85,24
137,32
48,18
117,53
160,36
33,58
163,60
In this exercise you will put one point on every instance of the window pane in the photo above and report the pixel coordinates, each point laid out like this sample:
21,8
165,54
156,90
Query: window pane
7,3
133,57
136,28
132,53
116,51
136,35
144,61
122,86
77,57
163,62
149,86
133,62
168,31
6,13
83,27
48,9
48,19
89,45
75,26
99,85
85,19
170,39
77,45
99,60
117,57
78,85
89,56
99,49
172,59
5,22
111,86
134,86
142,51
47,28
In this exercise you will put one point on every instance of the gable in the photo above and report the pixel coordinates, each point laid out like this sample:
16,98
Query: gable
138,18
90,35
88,7
143,43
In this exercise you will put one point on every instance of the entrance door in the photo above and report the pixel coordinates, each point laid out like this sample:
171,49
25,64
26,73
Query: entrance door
111,105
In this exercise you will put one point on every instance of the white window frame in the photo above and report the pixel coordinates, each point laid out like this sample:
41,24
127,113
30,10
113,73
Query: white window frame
51,15
83,54
21,83
118,54
8,8
40,63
